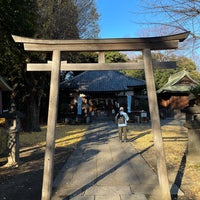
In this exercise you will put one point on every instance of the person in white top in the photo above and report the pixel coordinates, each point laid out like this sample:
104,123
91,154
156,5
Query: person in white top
121,119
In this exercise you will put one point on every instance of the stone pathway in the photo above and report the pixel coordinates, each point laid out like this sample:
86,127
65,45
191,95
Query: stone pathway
102,168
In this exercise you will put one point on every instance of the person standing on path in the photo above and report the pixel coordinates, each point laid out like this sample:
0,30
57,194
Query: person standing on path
121,119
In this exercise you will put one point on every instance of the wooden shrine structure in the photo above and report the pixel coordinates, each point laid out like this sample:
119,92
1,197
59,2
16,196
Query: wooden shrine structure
101,45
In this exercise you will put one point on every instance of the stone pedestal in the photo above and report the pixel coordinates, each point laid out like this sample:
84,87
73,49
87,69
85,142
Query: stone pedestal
13,127
193,125
194,142
13,146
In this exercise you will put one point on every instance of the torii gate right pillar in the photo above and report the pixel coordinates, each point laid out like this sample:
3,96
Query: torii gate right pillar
155,123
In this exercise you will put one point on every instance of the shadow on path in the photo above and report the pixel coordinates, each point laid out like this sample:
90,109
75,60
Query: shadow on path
96,180
179,177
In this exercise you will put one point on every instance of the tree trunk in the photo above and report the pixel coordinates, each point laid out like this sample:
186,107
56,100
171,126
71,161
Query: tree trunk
32,119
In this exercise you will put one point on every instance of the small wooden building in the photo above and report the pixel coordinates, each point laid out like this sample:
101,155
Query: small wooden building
173,96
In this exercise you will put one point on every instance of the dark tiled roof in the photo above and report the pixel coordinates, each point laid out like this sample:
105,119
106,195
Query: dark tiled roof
174,83
99,81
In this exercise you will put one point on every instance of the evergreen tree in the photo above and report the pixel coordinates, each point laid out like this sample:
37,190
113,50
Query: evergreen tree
161,75
38,19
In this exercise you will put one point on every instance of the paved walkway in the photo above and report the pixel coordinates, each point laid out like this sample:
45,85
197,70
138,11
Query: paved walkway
102,168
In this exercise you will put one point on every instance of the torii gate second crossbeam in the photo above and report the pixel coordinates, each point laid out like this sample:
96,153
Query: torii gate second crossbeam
100,45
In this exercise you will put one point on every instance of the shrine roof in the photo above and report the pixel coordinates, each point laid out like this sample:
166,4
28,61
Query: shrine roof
178,82
101,81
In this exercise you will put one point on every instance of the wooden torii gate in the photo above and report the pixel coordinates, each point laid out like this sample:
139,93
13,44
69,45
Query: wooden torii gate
101,45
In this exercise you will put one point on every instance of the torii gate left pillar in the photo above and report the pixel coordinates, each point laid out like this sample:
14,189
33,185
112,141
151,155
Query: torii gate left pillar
51,126
100,45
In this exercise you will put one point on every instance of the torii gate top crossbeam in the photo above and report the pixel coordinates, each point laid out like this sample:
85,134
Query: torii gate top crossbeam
119,44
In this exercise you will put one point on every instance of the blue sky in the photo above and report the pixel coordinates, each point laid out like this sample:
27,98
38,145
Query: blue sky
117,18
